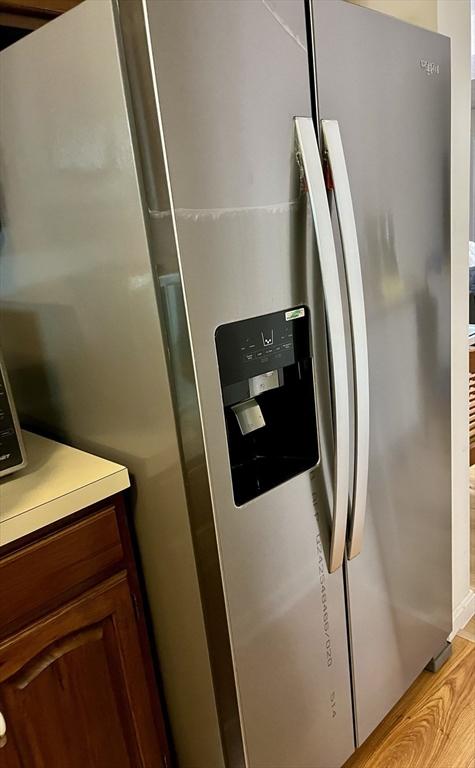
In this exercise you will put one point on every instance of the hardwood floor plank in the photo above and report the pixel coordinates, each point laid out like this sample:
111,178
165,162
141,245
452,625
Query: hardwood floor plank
433,725
421,687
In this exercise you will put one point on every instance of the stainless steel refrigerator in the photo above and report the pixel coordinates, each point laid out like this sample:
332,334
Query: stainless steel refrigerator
225,263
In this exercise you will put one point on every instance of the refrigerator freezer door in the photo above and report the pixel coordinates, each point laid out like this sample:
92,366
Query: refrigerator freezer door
230,77
80,325
394,116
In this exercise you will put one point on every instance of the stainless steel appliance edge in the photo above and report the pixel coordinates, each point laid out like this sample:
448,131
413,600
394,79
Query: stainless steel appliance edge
149,146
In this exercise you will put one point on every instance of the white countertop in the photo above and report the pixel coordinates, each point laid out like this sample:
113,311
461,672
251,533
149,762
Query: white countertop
58,481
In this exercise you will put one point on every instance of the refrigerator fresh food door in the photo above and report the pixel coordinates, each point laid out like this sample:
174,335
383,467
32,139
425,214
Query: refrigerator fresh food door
387,84
229,80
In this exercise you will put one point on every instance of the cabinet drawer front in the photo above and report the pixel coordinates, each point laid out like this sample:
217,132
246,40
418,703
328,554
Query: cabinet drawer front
42,575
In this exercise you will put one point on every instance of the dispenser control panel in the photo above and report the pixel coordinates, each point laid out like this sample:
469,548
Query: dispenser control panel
249,348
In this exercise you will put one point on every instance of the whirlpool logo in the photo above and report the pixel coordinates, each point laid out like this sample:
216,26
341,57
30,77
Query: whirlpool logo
430,67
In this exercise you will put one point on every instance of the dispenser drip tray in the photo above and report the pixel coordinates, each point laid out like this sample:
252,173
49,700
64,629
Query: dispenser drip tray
263,473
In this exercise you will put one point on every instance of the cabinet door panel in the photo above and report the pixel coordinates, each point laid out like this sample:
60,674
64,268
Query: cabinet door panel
59,566
73,689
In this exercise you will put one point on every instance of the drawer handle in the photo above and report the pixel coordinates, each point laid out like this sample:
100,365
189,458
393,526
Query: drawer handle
3,731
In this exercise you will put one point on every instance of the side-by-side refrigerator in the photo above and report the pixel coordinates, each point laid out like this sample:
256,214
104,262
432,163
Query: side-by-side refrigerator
225,263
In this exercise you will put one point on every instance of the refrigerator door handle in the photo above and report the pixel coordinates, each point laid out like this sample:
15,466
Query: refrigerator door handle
359,339
310,162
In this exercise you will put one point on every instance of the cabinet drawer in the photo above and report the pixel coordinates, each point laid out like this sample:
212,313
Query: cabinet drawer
42,575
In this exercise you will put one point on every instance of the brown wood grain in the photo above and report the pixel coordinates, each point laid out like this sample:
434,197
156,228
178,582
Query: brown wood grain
56,651
38,7
471,358
40,576
89,704
433,725
145,627
29,15
21,21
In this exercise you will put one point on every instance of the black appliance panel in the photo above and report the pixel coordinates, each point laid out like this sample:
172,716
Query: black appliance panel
266,371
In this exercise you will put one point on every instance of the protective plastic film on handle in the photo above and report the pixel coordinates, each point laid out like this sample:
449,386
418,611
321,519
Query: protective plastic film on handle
359,339
311,163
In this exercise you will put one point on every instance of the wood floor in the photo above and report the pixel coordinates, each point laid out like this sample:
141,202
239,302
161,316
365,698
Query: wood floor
433,725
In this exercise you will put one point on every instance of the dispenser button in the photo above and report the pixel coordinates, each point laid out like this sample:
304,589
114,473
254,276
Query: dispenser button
263,382
267,338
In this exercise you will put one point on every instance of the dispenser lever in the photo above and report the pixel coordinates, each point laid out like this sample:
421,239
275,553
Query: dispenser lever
249,416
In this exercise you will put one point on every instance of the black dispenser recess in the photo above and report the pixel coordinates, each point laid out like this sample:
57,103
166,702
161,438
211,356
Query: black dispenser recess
265,369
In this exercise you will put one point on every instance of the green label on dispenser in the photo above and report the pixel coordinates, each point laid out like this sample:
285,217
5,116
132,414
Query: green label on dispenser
294,314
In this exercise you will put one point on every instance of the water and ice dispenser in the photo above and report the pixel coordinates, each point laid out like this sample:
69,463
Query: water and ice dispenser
265,369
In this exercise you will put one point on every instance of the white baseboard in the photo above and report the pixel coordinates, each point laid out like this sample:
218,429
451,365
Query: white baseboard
463,613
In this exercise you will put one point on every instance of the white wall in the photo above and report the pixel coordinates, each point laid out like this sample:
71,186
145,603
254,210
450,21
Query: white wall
420,12
452,18
472,166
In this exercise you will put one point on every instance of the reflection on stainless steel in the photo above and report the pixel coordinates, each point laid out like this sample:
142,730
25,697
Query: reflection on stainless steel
255,261
400,584
152,196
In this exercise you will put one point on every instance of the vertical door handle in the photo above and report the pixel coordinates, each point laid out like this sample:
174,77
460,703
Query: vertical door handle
359,339
311,164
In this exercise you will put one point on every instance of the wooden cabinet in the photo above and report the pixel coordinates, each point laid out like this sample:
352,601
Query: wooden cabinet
19,17
30,14
76,683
